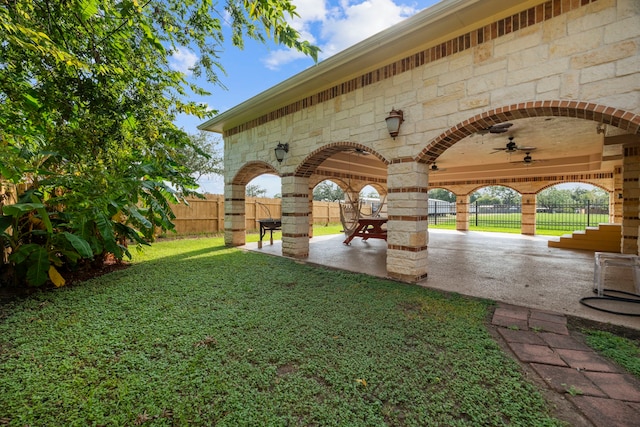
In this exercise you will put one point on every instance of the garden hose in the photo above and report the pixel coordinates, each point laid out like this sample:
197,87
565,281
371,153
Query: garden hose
635,299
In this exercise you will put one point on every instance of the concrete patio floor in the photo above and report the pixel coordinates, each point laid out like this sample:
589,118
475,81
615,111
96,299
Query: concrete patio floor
508,268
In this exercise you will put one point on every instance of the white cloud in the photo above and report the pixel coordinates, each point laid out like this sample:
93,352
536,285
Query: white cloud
340,26
183,60
281,57
309,11
353,23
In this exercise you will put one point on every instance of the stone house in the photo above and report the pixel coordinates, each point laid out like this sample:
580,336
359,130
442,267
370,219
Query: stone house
559,76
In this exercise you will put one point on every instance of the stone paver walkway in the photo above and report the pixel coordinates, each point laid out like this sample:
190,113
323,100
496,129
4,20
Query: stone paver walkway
600,390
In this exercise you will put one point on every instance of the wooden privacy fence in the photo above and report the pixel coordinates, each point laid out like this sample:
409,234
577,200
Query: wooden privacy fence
204,216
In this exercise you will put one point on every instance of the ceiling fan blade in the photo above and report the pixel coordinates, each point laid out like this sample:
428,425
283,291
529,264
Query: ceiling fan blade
497,128
361,151
501,126
526,148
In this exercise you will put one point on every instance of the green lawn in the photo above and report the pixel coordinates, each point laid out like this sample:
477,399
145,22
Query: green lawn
198,334
550,224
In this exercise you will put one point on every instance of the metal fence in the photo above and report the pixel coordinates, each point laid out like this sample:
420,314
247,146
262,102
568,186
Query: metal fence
441,212
495,215
571,216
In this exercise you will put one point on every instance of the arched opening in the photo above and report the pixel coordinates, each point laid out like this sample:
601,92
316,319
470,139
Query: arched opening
265,185
542,118
442,209
568,207
340,172
243,210
328,191
495,208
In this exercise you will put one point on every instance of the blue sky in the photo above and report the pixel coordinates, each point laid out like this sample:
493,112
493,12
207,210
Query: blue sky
332,25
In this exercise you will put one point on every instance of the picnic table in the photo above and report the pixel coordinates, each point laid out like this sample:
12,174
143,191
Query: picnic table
369,228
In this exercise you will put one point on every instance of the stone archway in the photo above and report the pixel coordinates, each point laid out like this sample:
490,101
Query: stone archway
296,212
621,178
252,170
234,202
621,119
316,157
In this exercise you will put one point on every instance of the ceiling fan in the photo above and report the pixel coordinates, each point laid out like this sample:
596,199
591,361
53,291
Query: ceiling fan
527,160
512,147
434,168
497,128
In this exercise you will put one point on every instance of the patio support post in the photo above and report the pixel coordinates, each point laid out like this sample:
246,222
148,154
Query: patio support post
615,201
310,212
234,215
407,207
528,222
631,197
295,216
462,212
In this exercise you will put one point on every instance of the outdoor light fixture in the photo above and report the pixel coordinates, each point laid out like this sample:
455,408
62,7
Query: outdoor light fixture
394,120
280,150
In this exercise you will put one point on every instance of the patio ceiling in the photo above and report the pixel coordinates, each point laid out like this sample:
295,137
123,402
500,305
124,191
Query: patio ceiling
563,146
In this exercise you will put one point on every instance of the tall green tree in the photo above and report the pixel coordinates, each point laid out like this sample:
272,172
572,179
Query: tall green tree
88,99
202,156
496,194
554,196
254,190
327,191
442,194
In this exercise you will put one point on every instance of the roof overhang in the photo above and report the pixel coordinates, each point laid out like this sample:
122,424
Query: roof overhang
434,25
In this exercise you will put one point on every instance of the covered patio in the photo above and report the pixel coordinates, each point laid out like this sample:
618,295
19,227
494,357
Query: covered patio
510,268
463,95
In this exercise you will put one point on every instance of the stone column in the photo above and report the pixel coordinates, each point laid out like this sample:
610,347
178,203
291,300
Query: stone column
234,215
295,216
462,212
407,232
310,212
528,224
616,199
631,198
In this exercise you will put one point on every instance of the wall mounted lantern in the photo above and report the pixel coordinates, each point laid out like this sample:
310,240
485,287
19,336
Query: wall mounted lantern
281,150
394,120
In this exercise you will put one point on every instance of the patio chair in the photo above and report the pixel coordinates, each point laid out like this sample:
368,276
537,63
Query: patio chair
602,260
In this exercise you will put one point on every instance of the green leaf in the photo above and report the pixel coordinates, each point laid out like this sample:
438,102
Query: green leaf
31,101
79,244
23,252
105,229
44,216
134,212
38,270
5,223
18,209
89,8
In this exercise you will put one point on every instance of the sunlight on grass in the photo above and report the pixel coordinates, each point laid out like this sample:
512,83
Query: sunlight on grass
194,333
